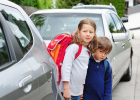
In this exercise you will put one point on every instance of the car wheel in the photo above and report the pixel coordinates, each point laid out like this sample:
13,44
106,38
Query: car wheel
128,75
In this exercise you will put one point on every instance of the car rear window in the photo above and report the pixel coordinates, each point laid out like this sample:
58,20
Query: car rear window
51,24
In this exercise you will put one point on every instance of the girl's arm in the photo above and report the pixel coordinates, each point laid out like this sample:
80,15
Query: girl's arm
66,93
67,68
81,96
108,83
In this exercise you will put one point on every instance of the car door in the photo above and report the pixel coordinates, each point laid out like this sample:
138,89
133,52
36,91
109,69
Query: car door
123,40
17,81
118,56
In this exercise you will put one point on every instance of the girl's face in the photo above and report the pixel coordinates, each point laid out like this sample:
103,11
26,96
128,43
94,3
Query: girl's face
86,33
100,54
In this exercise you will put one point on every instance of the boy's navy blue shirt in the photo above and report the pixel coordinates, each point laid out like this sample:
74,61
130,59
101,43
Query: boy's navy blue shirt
98,85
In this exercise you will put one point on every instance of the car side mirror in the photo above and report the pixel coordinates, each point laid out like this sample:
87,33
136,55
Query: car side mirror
117,37
124,19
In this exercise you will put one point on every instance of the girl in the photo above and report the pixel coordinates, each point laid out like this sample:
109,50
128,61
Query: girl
74,71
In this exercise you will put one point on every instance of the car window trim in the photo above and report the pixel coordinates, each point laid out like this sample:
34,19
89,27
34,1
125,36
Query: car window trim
114,21
6,65
118,20
8,34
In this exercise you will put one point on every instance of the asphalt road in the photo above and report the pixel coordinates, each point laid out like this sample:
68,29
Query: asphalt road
130,90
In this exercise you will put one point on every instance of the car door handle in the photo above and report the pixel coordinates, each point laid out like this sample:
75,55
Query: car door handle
25,81
123,45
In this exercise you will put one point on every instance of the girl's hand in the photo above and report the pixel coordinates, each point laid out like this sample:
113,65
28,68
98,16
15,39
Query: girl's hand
81,97
67,94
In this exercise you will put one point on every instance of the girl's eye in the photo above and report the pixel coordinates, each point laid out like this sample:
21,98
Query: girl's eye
91,32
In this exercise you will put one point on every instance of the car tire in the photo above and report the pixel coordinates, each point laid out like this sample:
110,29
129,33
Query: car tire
128,75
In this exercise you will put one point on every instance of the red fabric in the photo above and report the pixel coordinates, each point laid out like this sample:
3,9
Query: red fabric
64,40
79,51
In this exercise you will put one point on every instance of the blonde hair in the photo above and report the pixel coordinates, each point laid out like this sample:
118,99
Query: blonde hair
92,46
105,44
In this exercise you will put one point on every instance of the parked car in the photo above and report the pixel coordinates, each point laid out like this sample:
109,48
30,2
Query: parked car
52,22
27,71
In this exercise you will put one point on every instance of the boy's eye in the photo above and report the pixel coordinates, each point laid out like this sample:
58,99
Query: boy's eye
106,53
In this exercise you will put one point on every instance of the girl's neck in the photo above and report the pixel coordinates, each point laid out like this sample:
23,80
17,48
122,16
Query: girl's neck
84,44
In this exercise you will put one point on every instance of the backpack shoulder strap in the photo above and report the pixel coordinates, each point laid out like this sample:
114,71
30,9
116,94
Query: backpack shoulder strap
105,65
79,51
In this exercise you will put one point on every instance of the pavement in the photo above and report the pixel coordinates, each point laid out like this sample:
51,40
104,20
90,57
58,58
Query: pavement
136,64
130,90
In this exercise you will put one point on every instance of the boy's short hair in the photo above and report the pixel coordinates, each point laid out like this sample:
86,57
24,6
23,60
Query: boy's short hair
104,43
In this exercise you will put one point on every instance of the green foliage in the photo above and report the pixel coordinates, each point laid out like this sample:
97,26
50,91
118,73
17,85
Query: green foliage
32,3
119,4
45,4
66,3
40,4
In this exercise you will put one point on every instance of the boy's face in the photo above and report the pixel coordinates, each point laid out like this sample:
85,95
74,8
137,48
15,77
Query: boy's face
100,54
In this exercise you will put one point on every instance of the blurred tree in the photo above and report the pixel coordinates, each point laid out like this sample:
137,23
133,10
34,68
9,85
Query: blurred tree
40,4
119,4
45,4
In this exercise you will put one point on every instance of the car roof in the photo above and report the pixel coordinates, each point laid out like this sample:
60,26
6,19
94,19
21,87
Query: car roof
96,11
84,6
95,7
9,3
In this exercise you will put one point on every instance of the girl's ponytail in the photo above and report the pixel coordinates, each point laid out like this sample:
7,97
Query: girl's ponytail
76,38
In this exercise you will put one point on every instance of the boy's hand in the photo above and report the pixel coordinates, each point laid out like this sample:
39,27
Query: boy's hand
67,94
81,97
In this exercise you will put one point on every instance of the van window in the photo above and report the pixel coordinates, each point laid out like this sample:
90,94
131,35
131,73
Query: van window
111,24
119,25
51,24
19,28
4,56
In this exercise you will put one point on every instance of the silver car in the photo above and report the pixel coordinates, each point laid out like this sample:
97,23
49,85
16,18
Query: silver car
27,71
52,22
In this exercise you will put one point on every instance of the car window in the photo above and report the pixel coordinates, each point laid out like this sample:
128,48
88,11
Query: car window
19,28
120,27
111,24
51,24
4,56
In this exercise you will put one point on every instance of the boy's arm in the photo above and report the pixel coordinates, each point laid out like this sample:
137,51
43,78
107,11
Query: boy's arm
108,83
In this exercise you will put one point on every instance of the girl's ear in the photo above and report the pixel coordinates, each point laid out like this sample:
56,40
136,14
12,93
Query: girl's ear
78,32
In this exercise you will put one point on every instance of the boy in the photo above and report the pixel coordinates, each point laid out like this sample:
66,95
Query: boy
98,84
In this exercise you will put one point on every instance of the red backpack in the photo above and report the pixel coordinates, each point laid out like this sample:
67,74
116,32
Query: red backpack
57,49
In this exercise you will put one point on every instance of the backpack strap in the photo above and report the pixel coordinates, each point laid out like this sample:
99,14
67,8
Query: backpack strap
105,65
79,51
